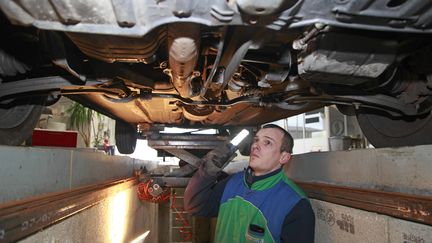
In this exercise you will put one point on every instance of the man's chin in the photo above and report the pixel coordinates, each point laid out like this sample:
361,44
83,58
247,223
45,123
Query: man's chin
253,162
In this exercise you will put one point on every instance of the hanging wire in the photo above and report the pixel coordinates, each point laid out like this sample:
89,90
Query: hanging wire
149,191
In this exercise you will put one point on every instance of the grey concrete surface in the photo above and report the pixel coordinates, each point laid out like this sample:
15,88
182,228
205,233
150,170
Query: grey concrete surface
405,170
26,171
32,171
102,167
119,218
335,223
410,232
340,224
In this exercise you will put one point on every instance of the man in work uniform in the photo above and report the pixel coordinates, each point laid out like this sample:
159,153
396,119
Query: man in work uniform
259,204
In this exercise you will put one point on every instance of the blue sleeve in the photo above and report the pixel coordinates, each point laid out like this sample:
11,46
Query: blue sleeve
203,194
299,224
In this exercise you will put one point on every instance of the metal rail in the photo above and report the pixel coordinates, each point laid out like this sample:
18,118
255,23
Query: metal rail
22,218
405,206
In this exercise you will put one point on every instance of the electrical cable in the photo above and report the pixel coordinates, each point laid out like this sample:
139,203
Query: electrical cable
149,191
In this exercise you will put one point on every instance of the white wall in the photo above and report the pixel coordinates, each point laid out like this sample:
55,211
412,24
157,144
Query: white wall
310,145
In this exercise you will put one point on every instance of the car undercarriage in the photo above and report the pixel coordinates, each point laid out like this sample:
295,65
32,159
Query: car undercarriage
219,64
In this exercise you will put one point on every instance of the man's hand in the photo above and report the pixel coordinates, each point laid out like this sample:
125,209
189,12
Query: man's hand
215,160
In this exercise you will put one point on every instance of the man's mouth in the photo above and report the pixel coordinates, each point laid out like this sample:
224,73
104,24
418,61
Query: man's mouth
254,155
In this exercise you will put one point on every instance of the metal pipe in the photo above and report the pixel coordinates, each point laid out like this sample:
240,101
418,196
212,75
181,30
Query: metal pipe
183,45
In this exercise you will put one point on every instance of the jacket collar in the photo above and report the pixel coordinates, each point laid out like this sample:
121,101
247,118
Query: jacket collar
251,180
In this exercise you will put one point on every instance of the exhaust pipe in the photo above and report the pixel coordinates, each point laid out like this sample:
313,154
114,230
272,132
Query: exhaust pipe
183,46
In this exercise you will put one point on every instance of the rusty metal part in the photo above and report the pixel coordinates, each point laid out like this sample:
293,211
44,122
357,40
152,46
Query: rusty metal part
184,155
301,43
22,218
111,48
183,44
197,113
64,86
404,206
215,66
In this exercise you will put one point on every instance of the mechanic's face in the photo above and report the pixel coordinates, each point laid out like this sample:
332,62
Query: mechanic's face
265,155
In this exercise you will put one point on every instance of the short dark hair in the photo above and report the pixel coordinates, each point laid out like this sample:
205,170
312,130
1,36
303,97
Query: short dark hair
287,140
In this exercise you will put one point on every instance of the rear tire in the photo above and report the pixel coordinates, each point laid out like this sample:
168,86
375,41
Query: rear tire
125,136
383,130
17,123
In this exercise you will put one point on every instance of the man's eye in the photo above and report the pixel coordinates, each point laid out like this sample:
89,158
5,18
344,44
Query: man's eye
266,142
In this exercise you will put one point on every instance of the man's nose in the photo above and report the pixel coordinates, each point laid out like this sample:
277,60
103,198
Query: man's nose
255,145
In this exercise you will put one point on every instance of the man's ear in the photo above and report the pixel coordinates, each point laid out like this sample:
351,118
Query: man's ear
285,157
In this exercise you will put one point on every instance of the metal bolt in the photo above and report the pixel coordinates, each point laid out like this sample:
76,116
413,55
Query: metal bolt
319,26
196,73
163,65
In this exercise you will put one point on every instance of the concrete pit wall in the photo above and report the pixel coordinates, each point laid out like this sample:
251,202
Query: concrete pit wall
405,170
119,218
340,224
34,171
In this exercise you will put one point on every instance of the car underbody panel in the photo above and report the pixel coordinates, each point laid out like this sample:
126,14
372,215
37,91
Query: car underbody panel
223,63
